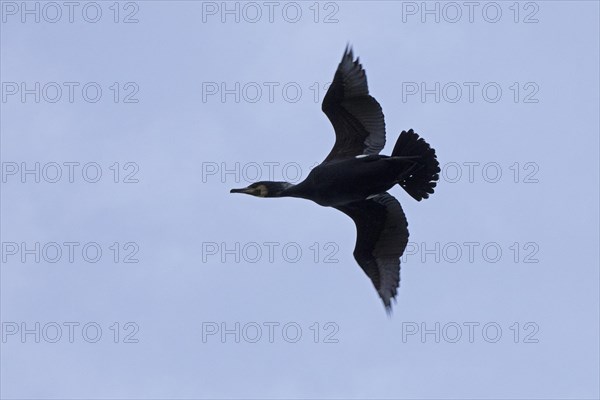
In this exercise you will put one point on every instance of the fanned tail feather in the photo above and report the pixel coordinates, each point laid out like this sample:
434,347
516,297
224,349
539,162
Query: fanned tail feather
420,180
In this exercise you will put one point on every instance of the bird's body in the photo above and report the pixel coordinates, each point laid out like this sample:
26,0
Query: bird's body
339,182
355,179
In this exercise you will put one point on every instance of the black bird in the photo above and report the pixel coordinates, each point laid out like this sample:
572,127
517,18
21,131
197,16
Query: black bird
355,179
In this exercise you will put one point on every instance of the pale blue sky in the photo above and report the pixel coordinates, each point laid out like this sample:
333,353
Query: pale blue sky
179,218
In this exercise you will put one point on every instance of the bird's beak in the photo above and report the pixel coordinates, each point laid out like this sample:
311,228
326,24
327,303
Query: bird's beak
244,190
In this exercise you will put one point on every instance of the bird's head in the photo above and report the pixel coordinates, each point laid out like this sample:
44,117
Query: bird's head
264,189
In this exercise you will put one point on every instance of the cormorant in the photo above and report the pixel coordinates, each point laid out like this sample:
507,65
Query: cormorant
355,179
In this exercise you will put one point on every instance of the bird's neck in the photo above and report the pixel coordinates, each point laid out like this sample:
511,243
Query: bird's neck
292,190
281,189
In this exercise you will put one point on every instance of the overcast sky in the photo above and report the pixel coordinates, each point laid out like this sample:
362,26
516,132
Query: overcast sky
129,271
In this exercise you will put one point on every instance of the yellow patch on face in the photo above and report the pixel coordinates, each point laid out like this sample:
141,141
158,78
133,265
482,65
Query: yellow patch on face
262,191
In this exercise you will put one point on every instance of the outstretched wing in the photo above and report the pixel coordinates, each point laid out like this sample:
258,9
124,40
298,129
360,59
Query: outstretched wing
381,237
356,117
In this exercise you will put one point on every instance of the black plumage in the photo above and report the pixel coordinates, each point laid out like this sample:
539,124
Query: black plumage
355,179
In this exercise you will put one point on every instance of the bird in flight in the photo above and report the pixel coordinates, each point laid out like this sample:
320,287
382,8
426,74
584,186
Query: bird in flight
354,178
